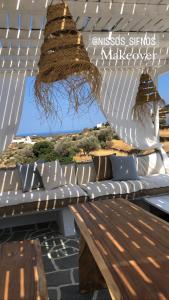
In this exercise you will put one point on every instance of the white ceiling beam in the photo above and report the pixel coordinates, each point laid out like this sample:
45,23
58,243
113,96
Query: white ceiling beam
90,8
24,34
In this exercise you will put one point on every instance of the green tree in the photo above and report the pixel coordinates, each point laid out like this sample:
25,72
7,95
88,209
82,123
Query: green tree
103,145
42,148
105,135
89,144
66,149
45,151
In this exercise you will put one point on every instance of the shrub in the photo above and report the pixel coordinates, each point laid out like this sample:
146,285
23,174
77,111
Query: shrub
42,148
24,156
51,156
76,138
66,150
21,146
103,145
89,144
105,135
45,150
74,149
116,137
65,159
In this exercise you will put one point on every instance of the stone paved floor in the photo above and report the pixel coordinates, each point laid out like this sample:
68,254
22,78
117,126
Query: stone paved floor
60,257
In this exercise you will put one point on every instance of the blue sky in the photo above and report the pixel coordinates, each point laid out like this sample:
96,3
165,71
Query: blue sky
33,123
163,87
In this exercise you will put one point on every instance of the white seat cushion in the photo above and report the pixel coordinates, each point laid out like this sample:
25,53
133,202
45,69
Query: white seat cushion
111,188
155,181
65,192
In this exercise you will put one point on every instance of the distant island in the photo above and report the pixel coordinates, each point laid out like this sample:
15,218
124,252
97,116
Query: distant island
46,134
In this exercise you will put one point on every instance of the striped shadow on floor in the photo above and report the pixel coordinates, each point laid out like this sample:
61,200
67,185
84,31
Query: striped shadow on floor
60,257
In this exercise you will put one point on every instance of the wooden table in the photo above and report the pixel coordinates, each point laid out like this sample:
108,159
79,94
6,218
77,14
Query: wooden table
21,271
125,247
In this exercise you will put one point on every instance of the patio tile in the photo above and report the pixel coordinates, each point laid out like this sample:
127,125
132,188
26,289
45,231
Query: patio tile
76,275
72,293
67,262
60,258
52,293
58,278
48,265
60,253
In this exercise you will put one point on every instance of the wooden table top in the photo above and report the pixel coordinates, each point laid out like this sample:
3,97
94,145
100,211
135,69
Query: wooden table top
21,271
130,246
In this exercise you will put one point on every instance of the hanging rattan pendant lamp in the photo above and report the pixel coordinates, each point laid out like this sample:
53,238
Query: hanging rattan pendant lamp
147,94
64,60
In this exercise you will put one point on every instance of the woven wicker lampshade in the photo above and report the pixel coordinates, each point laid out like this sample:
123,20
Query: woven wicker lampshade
65,60
147,94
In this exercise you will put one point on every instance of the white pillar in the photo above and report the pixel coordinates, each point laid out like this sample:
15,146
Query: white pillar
156,114
66,222
156,121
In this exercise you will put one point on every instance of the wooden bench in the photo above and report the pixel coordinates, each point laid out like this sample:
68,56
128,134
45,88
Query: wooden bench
124,248
21,271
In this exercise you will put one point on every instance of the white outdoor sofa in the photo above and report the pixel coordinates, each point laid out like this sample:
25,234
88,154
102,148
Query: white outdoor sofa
18,208
153,179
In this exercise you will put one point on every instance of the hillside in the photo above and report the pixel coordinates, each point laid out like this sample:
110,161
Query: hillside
78,147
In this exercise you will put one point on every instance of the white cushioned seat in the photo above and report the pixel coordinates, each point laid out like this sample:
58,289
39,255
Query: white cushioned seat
155,181
66,193
111,188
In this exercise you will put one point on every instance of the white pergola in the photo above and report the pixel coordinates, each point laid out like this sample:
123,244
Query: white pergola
21,35
22,23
